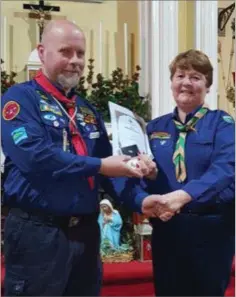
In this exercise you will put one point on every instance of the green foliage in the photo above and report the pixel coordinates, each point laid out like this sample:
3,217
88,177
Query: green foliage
7,80
107,250
119,89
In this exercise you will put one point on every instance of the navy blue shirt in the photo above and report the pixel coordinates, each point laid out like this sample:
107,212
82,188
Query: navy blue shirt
42,169
209,158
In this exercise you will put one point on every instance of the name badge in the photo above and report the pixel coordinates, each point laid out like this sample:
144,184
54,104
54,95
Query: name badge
93,135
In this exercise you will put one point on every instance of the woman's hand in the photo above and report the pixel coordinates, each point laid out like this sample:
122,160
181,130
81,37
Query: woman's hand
151,165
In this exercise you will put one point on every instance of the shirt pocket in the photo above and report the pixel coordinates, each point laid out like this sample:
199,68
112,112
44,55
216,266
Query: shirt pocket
57,127
162,150
200,149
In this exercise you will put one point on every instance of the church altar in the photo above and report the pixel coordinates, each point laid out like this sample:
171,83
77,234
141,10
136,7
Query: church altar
135,279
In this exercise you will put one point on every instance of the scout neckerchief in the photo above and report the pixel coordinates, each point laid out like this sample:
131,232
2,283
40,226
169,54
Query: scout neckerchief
179,153
70,104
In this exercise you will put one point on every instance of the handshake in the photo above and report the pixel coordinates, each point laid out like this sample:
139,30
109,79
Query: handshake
162,206
165,206
139,167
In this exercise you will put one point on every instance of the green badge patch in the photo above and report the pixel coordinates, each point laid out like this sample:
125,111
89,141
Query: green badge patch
86,110
160,135
19,134
228,119
50,108
42,95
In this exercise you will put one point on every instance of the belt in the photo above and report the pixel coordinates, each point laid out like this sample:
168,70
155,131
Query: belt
49,219
216,209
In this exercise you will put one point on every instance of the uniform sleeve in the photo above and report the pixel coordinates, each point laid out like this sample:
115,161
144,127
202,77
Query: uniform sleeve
219,177
127,191
228,194
27,143
124,190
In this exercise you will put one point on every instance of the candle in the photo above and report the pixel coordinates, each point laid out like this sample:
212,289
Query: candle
91,44
126,47
100,47
4,43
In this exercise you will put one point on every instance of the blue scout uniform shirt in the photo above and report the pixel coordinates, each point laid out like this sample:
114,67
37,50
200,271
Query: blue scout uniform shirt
42,169
209,158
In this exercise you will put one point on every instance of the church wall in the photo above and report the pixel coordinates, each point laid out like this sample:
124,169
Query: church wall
22,35
22,32
186,25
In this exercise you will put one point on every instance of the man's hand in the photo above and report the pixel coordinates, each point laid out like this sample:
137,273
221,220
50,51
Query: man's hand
115,166
150,205
171,203
165,206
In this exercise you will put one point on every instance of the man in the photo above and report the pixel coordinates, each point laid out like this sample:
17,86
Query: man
57,153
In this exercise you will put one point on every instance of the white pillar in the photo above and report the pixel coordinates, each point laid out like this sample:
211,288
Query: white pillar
206,40
159,45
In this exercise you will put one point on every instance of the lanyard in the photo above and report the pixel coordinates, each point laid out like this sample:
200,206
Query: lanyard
71,118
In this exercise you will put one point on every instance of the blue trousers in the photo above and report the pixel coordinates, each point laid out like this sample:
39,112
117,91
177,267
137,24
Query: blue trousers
192,255
46,260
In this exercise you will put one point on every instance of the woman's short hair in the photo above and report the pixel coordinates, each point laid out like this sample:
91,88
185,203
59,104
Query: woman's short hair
194,59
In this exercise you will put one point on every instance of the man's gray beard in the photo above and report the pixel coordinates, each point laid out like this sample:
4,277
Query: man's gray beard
68,82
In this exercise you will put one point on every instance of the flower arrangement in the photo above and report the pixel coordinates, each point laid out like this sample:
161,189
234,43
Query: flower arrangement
119,89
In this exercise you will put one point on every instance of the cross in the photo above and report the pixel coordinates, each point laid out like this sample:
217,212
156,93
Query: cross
41,12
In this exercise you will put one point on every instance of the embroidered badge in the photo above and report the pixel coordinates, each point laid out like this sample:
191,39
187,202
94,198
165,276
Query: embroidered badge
42,95
162,142
86,110
62,120
19,134
93,135
10,110
79,116
90,119
43,101
52,108
160,135
56,124
88,128
86,115
50,117
228,119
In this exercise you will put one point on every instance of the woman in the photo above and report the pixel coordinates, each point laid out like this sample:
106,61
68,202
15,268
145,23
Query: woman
110,223
193,238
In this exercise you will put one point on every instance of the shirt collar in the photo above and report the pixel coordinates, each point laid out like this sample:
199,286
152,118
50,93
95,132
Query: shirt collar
175,114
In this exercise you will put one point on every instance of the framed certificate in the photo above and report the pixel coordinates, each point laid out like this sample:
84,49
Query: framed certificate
128,132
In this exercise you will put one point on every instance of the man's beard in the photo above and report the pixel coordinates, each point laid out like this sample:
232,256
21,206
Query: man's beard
68,83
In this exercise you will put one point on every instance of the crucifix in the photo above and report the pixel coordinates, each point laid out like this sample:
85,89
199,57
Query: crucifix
41,12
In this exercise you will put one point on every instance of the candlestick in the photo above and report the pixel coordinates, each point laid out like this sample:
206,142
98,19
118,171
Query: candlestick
100,47
4,43
126,47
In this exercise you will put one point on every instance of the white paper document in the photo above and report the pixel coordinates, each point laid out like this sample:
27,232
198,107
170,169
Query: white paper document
128,132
